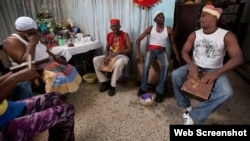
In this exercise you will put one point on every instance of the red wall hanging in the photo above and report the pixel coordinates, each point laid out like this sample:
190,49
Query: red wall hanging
146,3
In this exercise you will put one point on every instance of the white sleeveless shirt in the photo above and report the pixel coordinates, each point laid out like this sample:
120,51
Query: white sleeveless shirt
159,39
209,49
41,50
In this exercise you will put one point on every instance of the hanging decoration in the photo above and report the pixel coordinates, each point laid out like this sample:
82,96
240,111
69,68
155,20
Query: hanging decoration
146,3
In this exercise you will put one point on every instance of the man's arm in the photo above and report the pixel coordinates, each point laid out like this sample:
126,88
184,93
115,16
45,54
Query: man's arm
234,52
107,54
185,52
138,41
17,50
59,59
9,81
107,50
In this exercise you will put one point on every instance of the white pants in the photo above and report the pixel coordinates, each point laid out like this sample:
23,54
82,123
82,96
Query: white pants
121,61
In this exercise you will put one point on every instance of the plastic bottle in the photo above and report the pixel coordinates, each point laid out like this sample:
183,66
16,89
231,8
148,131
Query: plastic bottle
60,41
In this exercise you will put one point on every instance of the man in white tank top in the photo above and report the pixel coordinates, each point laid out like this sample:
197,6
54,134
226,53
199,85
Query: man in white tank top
57,73
159,35
208,45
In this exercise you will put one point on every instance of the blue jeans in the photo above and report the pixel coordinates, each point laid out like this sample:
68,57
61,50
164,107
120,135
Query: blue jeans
21,91
221,92
163,58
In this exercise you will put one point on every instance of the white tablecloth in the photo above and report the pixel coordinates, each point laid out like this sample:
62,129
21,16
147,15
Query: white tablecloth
78,48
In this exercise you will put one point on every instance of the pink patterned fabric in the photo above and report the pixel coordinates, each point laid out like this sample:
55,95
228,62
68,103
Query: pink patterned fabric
42,112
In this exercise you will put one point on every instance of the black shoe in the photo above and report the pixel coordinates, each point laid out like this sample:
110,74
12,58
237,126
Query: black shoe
105,86
159,98
140,92
111,91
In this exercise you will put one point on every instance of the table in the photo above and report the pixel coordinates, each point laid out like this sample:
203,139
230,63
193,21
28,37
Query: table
79,47
80,56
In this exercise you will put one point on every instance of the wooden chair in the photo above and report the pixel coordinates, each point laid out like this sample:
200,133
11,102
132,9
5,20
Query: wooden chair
154,74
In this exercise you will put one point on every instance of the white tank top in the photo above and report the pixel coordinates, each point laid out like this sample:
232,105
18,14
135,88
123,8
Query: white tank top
159,39
41,50
209,49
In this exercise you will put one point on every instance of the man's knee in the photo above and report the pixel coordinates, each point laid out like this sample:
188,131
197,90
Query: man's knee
228,93
95,59
174,73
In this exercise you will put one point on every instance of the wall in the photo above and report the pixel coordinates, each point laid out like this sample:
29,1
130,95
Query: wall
167,7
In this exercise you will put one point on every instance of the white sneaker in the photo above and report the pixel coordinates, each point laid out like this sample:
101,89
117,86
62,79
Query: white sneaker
187,119
189,108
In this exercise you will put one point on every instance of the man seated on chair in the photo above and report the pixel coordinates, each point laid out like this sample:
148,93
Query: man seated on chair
118,47
59,76
156,50
204,51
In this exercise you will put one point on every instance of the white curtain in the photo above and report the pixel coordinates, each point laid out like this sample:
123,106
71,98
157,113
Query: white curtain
91,16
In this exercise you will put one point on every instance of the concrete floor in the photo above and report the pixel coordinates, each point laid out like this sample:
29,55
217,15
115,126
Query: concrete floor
99,117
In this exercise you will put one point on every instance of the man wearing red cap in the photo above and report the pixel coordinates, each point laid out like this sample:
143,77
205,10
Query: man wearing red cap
118,48
159,35
208,45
